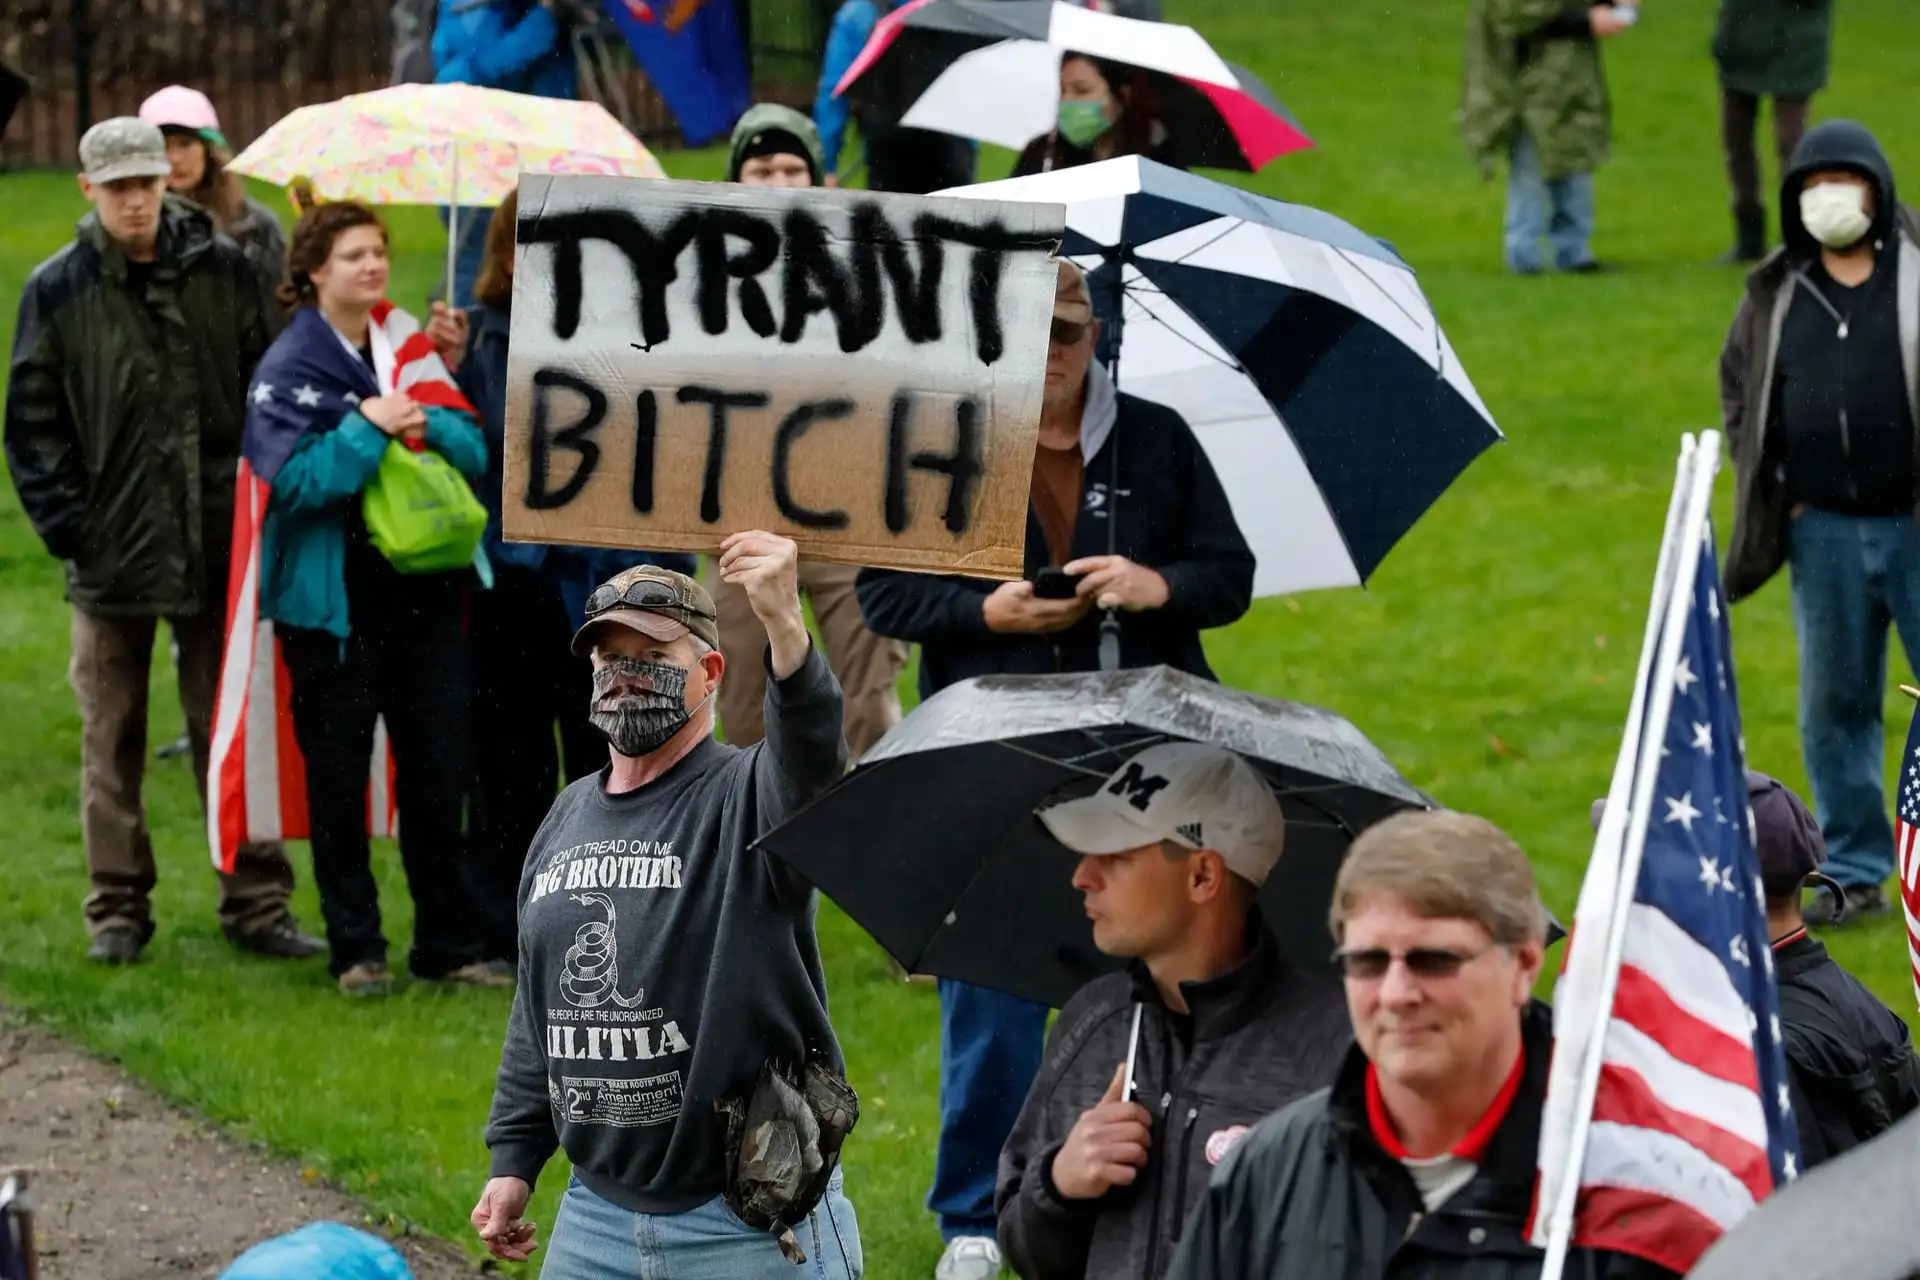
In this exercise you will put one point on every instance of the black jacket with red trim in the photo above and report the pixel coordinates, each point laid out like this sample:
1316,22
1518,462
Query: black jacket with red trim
1310,1192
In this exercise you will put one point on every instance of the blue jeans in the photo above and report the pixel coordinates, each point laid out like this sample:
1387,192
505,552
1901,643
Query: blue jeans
990,1050
594,1239
468,255
1852,576
1561,211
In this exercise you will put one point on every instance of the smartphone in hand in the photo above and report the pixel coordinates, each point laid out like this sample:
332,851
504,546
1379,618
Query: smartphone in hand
1054,583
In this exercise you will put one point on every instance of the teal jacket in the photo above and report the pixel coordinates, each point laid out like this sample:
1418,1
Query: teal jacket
303,574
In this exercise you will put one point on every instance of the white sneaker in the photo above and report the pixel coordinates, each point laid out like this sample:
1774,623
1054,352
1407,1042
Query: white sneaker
969,1258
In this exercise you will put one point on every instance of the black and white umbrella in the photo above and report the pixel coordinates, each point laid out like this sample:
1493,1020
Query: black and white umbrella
1299,349
990,70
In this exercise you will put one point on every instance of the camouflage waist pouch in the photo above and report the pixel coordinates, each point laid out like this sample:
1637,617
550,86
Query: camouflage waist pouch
783,1141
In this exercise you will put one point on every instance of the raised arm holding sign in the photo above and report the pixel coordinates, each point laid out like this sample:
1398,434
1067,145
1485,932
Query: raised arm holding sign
860,373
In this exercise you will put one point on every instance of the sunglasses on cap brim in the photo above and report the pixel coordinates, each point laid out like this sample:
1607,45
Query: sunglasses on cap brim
649,594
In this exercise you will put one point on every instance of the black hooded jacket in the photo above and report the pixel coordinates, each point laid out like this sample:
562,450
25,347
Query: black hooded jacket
1749,364
1850,1058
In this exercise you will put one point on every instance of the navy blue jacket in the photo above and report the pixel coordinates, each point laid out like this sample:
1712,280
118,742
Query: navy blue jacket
1173,517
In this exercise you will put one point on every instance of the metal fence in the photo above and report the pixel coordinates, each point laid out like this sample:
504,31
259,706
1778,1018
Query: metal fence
259,59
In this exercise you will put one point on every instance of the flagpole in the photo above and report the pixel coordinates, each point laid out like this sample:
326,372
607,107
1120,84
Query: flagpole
1613,818
1574,993
1673,632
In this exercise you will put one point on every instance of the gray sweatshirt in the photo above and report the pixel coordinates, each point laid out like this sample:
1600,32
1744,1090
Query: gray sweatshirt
662,961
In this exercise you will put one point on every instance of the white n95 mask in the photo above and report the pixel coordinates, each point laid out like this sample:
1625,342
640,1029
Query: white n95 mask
1835,213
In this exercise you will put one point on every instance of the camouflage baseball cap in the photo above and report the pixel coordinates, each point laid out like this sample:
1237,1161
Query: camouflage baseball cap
123,147
653,601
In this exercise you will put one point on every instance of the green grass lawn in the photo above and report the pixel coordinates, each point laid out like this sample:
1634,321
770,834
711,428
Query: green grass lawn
1491,658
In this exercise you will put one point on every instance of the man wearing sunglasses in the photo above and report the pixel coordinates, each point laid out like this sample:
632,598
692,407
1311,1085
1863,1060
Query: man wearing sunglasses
1101,1171
1130,541
663,960
1420,1159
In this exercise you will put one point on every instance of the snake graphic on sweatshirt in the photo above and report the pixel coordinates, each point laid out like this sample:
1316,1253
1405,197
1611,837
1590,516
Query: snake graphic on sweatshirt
592,974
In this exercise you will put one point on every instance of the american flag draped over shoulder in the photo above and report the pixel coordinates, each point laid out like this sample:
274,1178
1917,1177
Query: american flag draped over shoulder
1692,1123
307,381
1906,815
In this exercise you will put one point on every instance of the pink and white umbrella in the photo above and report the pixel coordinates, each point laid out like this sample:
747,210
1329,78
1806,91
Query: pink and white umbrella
989,70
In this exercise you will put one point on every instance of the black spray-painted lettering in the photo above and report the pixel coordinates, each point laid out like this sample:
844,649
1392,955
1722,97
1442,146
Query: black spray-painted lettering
718,402
813,275
813,279
646,434
795,425
963,467
916,294
651,254
540,495
718,267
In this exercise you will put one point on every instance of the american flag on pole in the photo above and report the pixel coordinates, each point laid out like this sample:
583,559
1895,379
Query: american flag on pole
308,380
1907,832
1690,1122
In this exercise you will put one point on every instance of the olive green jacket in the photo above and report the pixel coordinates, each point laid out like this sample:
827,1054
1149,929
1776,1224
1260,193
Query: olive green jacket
1534,65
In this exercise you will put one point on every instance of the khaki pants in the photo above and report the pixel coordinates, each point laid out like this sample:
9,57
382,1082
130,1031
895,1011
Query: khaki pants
112,660
867,666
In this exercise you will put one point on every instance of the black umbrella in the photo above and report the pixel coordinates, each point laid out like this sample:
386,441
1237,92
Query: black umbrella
931,844
1850,1219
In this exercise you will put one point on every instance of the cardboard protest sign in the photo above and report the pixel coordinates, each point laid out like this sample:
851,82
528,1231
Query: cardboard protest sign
859,372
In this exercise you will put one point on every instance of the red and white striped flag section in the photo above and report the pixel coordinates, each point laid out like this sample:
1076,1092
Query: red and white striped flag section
257,784
1667,1115
1906,825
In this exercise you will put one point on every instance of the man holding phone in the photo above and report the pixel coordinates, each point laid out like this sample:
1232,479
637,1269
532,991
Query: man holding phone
1173,565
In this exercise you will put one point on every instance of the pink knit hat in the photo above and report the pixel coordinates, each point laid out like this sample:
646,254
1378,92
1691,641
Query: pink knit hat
178,107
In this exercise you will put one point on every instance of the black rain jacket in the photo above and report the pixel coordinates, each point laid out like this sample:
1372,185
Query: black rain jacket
123,415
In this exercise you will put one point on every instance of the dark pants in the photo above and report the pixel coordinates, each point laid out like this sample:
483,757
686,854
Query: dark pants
990,1050
111,665
525,681
1739,117
411,668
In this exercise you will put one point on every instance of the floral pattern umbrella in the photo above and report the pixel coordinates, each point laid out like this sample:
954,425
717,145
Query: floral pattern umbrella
441,144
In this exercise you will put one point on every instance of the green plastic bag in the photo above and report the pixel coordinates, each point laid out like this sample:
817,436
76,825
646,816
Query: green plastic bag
421,514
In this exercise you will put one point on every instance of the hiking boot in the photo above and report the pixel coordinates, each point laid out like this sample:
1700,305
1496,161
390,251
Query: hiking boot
1826,911
969,1258
1749,238
279,939
368,978
117,944
477,974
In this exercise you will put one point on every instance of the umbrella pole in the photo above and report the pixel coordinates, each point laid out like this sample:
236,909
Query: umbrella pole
1133,1055
1110,624
453,228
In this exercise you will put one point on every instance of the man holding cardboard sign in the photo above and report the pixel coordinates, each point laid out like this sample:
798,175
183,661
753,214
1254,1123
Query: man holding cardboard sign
1173,565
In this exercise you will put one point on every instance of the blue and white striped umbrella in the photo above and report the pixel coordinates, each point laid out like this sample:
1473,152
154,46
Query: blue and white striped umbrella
1299,349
